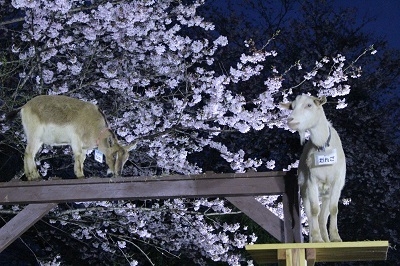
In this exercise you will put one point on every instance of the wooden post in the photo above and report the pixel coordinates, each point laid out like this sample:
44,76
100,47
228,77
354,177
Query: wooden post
291,257
311,256
291,209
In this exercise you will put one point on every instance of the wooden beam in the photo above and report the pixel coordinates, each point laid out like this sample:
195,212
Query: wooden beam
21,222
261,215
131,188
322,252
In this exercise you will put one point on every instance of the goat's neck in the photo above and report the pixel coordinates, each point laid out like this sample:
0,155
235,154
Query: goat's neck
104,133
320,133
103,140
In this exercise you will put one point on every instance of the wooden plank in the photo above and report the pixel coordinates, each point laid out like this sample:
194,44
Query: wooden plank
324,252
98,189
260,214
21,222
208,175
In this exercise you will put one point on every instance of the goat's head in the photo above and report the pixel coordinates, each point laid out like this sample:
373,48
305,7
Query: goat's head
306,113
116,154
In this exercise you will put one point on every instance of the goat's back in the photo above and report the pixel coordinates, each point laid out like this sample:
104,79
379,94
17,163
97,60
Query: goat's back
59,120
61,110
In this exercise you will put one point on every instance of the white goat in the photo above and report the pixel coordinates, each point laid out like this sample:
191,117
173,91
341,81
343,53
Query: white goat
61,120
322,166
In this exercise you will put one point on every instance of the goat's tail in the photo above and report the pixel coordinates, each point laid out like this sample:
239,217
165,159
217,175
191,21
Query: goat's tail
11,115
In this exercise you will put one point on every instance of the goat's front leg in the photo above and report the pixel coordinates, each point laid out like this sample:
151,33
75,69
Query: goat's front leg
313,212
78,166
333,228
323,218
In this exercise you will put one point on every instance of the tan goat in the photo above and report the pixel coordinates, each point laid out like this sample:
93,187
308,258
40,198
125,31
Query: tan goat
322,166
61,120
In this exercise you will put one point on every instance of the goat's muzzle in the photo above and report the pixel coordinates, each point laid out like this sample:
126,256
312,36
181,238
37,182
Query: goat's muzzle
292,124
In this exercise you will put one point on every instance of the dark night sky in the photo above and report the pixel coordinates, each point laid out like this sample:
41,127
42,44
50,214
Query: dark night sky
387,14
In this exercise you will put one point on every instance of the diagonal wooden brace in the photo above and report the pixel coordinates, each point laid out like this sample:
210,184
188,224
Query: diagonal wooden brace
22,222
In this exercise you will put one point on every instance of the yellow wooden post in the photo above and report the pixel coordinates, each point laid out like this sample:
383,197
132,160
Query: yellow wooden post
311,256
282,258
291,257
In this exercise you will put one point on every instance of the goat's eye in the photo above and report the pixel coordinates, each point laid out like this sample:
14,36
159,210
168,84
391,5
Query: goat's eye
309,105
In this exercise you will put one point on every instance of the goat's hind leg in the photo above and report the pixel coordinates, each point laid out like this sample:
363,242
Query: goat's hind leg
79,156
30,169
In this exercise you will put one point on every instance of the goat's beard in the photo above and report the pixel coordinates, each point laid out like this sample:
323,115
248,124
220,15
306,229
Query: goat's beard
302,137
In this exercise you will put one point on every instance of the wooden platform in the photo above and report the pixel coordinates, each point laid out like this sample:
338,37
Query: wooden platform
302,254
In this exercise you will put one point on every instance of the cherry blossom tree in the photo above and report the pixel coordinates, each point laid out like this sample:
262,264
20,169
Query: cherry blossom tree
151,66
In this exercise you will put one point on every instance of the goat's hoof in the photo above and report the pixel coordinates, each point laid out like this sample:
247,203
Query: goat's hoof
110,175
34,178
317,240
336,240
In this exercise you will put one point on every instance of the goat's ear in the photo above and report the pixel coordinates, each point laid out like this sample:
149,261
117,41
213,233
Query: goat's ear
286,105
320,101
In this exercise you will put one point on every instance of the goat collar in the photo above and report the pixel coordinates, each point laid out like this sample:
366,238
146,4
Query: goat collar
101,135
326,144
